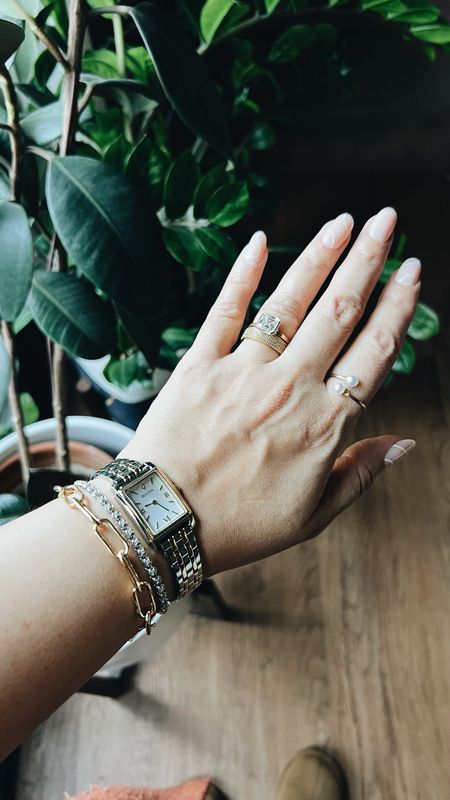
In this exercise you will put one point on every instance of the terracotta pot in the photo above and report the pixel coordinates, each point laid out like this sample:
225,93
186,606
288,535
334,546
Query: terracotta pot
85,459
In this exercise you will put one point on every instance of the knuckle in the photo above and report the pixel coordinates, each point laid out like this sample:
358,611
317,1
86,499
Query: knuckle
287,306
226,310
365,477
369,254
343,309
312,260
382,342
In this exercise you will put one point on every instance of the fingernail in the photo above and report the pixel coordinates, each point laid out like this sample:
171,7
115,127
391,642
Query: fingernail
383,225
409,272
398,451
252,251
337,231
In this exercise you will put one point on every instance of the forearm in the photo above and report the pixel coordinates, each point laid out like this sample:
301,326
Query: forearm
67,607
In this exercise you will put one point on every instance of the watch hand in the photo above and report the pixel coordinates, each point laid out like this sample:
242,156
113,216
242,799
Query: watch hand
156,503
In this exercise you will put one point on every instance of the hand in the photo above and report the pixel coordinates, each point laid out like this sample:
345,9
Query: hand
260,443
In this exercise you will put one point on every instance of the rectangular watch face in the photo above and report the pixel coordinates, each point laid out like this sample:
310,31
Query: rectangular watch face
155,502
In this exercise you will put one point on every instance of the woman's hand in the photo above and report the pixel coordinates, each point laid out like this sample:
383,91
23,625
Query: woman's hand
259,443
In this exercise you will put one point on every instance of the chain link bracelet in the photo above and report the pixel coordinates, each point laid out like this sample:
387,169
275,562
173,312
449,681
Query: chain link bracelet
126,529
74,497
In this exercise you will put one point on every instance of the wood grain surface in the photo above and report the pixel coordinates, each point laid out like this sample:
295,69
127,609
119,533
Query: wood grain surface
343,641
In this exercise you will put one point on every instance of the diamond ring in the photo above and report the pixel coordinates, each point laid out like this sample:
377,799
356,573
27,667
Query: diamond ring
266,330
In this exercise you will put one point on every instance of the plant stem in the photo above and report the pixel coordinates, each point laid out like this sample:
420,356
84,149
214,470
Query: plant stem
14,403
5,127
12,112
119,44
123,11
77,24
40,34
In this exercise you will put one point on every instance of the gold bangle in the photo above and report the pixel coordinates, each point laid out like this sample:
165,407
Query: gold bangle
75,498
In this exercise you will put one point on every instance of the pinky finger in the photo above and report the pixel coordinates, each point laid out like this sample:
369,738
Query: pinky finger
354,473
222,326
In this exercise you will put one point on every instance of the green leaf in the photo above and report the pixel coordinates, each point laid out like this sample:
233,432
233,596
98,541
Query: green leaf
228,204
116,152
107,229
69,312
390,266
43,68
146,162
45,124
126,84
144,332
262,138
102,63
271,5
126,370
424,324
10,9
16,260
420,16
183,245
406,359
237,11
436,34
179,186
105,127
179,338
216,177
184,76
212,14
291,43
12,506
216,244
29,408
12,34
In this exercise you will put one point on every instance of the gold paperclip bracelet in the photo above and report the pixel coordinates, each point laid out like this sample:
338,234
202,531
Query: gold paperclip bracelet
74,498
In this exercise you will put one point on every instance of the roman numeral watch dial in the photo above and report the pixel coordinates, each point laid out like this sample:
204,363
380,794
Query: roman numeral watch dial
156,503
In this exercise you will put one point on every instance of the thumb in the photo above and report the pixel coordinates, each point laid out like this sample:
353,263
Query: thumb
354,473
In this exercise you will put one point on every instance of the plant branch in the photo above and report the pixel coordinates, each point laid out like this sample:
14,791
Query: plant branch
14,403
12,113
40,34
87,94
123,11
5,127
77,26
119,44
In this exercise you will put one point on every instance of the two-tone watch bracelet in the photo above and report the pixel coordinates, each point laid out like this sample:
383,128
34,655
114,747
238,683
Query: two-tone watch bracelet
126,529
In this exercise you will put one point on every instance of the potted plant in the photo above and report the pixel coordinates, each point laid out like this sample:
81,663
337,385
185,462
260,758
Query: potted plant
130,138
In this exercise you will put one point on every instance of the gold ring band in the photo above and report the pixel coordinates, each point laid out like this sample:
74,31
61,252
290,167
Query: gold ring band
278,333
273,340
343,384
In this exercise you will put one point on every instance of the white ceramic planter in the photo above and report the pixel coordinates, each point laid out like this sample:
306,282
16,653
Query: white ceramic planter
135,393
112,437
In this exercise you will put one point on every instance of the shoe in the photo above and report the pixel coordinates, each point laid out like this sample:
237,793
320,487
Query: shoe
313,774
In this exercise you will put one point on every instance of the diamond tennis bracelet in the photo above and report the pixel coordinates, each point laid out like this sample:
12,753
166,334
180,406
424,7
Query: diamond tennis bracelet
144,558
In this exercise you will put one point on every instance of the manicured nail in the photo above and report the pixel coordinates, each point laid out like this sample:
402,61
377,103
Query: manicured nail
383,225
409,272
337,231
398,451
253,250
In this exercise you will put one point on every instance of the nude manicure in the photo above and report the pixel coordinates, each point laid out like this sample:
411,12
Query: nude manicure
409,272
337,231
252,251
383,225
398,450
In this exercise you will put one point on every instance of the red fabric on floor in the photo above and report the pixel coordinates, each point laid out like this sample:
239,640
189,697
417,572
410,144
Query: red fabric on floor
192,790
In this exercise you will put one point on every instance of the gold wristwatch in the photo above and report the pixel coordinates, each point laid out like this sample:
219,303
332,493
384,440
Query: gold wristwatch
157,507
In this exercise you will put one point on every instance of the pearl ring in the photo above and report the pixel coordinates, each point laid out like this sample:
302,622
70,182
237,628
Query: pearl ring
344,383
